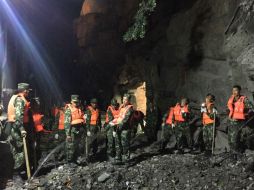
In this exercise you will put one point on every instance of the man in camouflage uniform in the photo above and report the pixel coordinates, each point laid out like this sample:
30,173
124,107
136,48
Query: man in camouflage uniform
123,130
181,118
93,126
18,123
167,128
208,112
238,106
74,129
112,113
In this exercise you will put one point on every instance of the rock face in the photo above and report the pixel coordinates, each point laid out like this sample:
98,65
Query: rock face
191,48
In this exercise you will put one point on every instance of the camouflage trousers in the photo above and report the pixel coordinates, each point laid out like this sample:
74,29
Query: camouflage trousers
122,141
208,136
238,137
16,146
182,133
167,132
110,142
92,140
76,146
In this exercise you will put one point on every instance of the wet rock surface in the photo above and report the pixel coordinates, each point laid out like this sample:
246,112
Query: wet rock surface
154,171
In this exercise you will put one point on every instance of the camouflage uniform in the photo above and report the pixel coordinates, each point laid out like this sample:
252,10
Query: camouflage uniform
208,133
123,137
94,129
182,131
237,136
15,138
74,146
167,132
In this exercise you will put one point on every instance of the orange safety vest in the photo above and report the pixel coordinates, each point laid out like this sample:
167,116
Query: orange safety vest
37,118
236,108
113,111
61,120
206,119
94,115
11,109
178,112
169,119
77,115
122,114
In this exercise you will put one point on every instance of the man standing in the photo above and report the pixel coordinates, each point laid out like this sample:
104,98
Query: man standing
74,128
181,118
238,106
93,125
18,121
112,113
208,112
123,129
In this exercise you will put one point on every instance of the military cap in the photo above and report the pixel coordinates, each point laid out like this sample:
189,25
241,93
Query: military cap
74,98
93,100
24,86
113,102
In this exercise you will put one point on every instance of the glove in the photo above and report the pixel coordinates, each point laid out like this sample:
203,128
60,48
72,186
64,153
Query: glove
114,134
88,133
203,108
56,136
173,125
182,110
215,111
23,133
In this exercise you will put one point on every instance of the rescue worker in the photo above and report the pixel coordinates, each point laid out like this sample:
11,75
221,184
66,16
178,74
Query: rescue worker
38,126
111,114
18,121
167,128
74,129
181,119
238,106
208,111
123,130
93,126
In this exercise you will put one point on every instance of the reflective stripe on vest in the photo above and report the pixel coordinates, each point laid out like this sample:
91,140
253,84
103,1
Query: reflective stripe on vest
122,114
178,112
37,118
94,115
77,115
61,120
11,109
169,119
236,108
206,120
114,112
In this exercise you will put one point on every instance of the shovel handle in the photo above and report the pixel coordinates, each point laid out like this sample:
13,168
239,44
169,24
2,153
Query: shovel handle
26,158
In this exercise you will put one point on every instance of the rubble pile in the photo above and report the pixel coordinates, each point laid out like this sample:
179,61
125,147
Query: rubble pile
154,171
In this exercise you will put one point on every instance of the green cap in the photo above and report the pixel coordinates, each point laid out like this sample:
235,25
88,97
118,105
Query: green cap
74,98
24,86
93,100
128,96
113,102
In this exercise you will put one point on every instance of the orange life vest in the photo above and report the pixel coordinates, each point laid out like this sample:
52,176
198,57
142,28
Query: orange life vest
37,118
236,108
122,114
169,119
94,115
77,115
178,112
206,119
11,109
114,112
61,120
